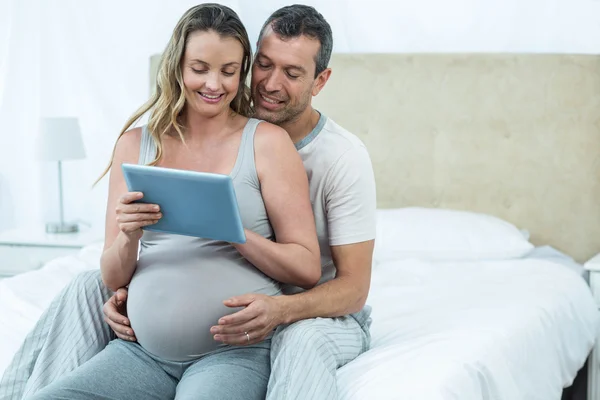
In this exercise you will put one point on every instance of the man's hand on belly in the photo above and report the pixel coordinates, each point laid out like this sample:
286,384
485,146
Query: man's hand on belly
260,316
115,315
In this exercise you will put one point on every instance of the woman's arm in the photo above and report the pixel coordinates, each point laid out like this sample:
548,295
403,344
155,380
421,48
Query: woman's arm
123,219
295,258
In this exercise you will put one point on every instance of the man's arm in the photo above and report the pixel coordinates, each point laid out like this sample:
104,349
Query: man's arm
351,211
345,294
351,207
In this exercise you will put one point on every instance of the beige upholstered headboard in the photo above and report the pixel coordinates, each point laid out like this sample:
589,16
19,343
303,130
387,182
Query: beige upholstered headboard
515,136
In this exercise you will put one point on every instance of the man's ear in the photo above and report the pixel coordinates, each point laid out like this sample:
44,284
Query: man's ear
321,80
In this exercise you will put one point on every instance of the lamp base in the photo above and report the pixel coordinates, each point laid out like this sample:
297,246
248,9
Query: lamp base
58,227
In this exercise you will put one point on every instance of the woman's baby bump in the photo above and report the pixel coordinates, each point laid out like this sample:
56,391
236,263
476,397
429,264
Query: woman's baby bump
176,296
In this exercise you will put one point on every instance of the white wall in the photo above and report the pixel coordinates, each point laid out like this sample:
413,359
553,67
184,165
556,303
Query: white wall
90,60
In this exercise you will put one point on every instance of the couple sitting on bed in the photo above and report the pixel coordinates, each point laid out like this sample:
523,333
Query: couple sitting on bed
274,317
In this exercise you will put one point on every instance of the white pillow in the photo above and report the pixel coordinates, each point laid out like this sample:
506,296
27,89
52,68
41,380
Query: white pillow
446,235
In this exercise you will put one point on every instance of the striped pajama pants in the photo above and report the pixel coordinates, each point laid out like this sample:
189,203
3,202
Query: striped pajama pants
304,355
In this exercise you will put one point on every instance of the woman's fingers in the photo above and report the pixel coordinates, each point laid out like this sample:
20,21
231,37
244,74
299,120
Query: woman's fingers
133,226
137,208
130,197
126,204
124,218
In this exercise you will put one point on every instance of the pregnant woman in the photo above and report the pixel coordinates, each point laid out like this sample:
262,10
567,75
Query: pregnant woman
199,119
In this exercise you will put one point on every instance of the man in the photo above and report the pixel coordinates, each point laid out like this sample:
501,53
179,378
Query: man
317,330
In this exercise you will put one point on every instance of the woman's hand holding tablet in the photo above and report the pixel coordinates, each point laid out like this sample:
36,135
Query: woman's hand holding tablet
191,203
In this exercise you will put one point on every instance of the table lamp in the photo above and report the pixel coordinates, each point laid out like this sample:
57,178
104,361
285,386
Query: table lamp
60,140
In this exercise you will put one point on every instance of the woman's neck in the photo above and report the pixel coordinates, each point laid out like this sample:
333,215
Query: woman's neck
200,126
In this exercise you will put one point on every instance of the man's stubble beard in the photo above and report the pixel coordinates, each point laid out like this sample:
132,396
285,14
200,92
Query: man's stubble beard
286,115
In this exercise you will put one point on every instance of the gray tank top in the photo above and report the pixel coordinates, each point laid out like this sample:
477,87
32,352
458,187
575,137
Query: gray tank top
177,291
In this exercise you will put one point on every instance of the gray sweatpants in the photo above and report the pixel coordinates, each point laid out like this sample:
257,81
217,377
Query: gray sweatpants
304,355
125,371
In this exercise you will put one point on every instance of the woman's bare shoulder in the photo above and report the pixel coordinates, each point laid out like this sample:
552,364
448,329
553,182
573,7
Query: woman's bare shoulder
271,136
128,145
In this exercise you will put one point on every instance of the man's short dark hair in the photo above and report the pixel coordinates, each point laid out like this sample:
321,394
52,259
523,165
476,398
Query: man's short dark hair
298,19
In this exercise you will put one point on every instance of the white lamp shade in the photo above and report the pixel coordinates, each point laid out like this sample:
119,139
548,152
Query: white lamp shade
60,139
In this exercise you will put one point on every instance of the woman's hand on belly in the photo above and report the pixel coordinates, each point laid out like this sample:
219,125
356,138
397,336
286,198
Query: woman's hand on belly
260,316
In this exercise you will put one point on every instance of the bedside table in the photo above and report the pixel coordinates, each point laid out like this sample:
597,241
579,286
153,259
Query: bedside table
593,266
26,249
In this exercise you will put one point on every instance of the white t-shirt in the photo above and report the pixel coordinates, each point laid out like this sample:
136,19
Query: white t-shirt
342,190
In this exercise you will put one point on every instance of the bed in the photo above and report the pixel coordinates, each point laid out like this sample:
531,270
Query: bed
514,328
486,168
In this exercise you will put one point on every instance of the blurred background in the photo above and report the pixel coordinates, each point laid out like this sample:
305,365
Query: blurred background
90,61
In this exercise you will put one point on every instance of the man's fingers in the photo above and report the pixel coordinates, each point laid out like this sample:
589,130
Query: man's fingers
118,326
252,325
240,301
241,339
117,322
121,295
121,331
239,317
112,312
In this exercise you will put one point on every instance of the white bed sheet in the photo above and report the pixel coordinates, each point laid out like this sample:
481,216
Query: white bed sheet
504,330
24,297
511,330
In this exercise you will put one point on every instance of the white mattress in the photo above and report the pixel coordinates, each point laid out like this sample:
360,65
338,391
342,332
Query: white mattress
509,330
24,297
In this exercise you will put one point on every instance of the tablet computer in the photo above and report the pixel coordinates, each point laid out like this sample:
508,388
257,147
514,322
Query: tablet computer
192,203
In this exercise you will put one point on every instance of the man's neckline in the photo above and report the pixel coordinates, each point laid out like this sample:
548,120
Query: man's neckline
313,134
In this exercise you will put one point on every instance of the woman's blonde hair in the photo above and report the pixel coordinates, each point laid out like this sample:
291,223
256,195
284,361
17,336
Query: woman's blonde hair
168,99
